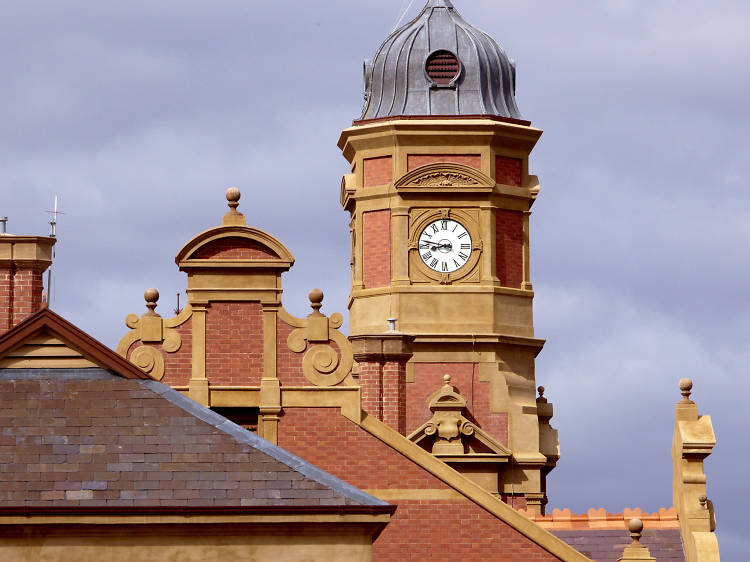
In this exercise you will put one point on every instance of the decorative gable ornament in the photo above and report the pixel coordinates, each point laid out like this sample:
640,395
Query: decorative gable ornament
450,435
445,176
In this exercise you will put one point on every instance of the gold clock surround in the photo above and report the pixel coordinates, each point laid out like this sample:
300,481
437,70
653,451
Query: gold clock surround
419,272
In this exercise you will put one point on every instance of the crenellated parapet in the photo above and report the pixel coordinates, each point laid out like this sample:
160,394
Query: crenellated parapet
601,519
694,441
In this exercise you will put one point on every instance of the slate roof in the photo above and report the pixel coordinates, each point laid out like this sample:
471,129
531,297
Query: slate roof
605,545
88,437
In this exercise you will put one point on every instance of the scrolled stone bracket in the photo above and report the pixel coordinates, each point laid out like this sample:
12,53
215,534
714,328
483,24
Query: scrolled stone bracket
157,334
328,358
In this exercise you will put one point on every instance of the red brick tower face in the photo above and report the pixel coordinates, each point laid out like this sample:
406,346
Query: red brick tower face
23,261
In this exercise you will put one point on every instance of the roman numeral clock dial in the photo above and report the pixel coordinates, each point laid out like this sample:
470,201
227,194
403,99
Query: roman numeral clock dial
445,245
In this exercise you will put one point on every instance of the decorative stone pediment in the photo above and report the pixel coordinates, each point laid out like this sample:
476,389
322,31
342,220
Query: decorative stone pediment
453,437
445,175
234,245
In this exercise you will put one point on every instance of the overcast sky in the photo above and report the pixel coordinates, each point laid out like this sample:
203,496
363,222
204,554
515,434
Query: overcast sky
140,114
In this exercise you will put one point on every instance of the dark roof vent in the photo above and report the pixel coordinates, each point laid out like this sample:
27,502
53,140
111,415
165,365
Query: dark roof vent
442,68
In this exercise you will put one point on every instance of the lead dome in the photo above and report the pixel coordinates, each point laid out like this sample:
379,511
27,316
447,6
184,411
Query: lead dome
438,64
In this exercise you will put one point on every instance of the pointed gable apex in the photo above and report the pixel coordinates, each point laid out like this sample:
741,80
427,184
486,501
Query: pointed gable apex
50,341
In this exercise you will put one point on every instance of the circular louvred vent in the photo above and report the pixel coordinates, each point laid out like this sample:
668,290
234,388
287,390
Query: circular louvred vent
442,67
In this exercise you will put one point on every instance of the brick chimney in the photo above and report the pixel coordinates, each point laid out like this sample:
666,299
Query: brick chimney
23,261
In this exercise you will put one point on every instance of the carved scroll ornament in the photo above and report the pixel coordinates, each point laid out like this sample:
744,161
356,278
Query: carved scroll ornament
323,364
443,179
153,331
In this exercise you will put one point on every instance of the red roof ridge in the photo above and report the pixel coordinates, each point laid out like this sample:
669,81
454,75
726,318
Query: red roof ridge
76,338
665,518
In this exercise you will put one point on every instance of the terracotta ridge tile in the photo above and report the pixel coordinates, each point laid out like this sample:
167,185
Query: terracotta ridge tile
560,519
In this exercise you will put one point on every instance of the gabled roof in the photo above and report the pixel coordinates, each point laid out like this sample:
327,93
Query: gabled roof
107,436
47,322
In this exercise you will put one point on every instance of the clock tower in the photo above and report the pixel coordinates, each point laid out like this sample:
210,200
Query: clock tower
440,197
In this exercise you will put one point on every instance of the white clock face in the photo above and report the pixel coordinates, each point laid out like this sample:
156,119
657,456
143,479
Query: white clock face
445,245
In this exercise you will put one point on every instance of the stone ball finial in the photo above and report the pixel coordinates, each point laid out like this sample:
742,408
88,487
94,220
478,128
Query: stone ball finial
635,526
316,299
151,297
233,195
447,380
233,198
541,391
315,296
686,387
703,499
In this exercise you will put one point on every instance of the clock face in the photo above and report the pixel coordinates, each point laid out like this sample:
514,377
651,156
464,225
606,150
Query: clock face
445,245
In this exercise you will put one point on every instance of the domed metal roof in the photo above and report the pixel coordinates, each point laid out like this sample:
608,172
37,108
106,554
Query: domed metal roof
440,65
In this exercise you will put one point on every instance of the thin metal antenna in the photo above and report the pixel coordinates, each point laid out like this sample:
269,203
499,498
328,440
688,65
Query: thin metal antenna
53,222
178,309
53,234
401,17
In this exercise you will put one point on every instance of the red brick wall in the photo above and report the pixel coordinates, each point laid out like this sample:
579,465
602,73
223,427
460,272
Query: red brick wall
376,244
509,248
371,382
178,366
288,363
234,248
508,171
417,160
450,531
325,438
377,171
6,302
20,295
27,297
428,378
384,391
394,395
421,529
234,343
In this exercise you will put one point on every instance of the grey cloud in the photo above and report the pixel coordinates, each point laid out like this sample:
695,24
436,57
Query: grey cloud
140,114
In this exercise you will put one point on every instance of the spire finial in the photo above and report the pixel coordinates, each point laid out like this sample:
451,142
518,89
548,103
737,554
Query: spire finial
233,217
686,387
233,198
636,530
152,297
316,300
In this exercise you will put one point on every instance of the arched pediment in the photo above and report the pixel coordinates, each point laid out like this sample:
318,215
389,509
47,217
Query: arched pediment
243,245
445,175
